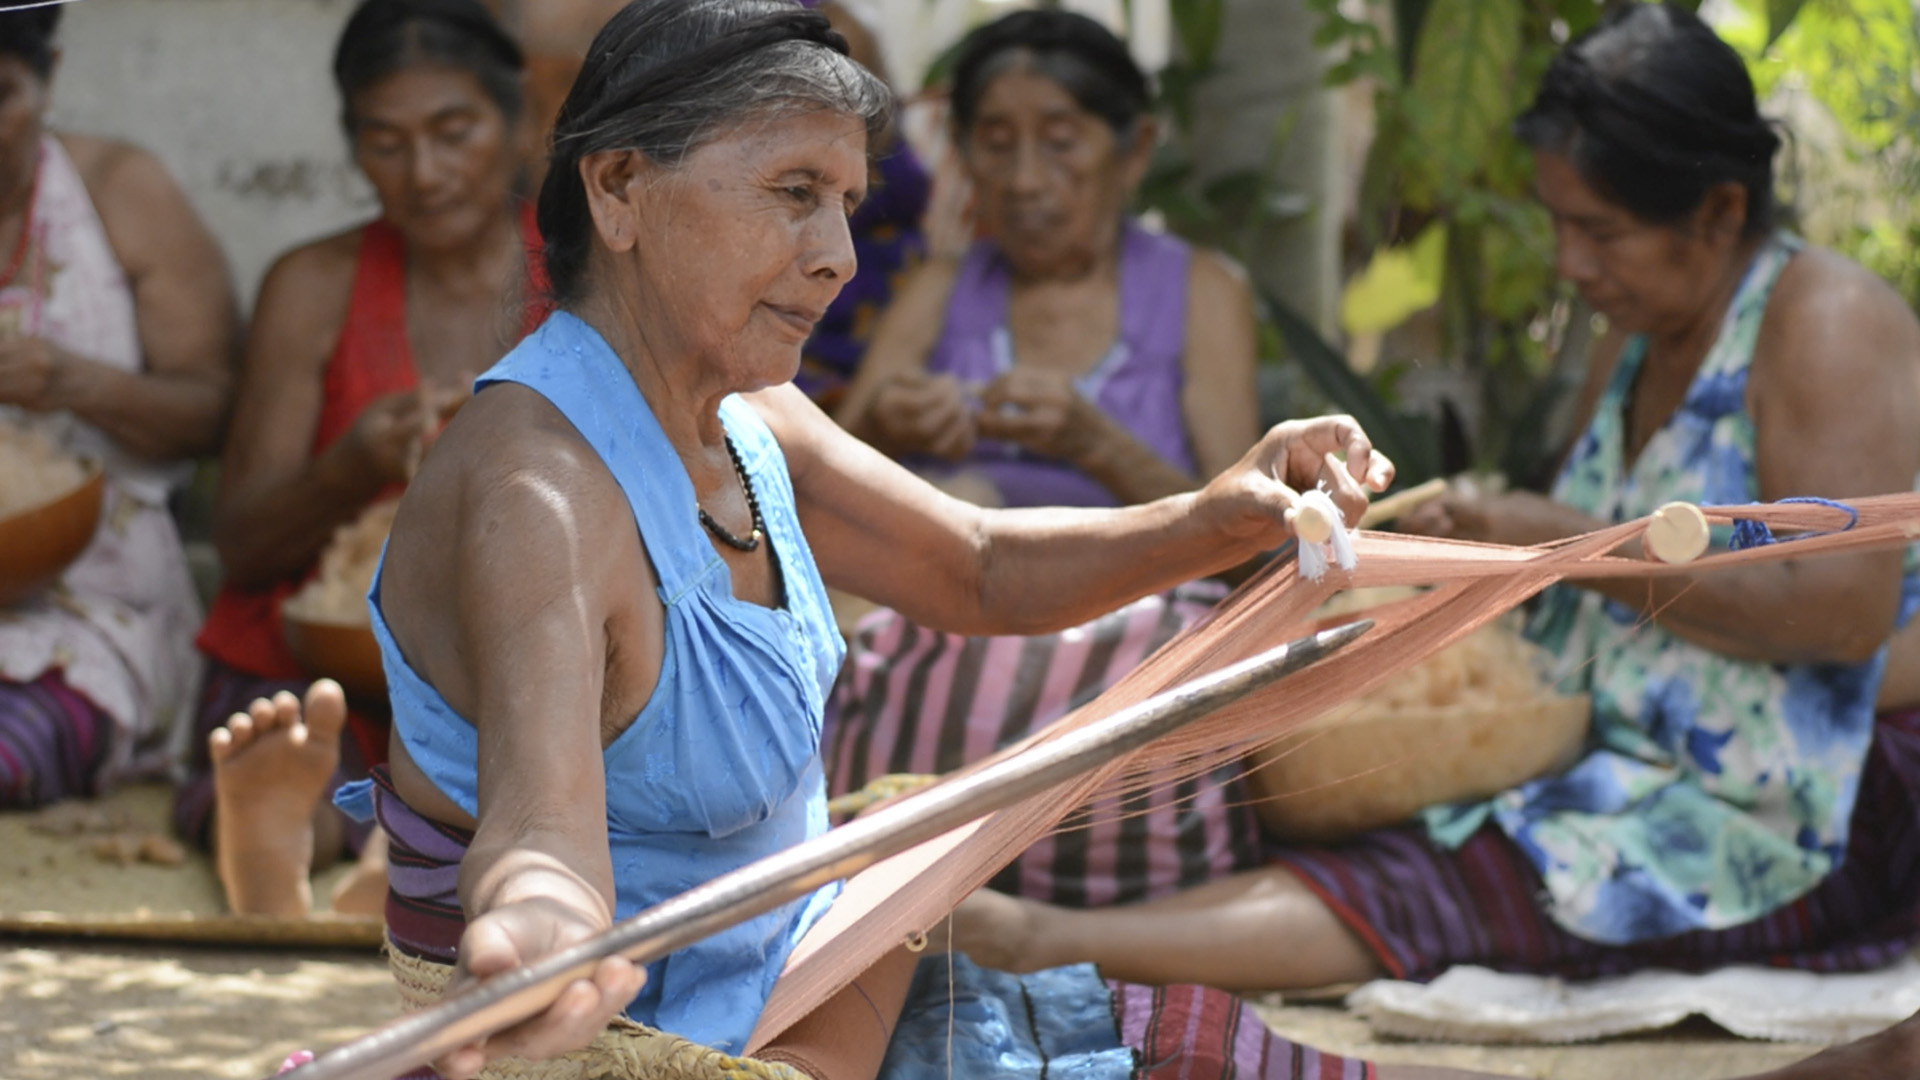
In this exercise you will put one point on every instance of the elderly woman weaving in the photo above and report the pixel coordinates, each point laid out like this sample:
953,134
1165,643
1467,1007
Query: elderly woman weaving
602,608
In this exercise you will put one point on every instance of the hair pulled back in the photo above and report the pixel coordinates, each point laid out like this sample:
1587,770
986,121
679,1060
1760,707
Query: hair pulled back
387,36
1654,110
28,34
664,77
1084,57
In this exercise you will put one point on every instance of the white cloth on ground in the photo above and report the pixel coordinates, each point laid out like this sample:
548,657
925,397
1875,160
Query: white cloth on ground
1473,1004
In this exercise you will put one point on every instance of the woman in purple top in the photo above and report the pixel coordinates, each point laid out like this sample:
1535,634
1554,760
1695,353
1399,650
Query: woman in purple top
1072,357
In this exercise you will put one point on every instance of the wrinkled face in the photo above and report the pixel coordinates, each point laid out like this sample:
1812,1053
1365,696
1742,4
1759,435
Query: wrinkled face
23,105
1050,179
1644,278
439,153
741,248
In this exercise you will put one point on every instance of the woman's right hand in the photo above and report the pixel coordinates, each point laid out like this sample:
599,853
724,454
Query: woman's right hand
917,413
520,933
388,434
394,431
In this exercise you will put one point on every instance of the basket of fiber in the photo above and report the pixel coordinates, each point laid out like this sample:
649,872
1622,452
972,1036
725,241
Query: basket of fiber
1473,720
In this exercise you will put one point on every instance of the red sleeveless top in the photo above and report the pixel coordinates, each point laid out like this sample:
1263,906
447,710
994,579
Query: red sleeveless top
371,360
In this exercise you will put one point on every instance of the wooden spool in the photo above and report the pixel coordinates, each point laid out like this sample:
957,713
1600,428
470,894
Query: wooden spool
1677,533
1310,523
39,543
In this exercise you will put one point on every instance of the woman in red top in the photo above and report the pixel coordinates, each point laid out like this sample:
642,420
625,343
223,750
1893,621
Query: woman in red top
359,342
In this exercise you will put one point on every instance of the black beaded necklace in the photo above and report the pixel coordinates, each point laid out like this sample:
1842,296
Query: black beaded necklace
752,542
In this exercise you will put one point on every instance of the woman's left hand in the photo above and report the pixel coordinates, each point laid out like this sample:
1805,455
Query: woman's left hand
1042,412
1249,501
1466,512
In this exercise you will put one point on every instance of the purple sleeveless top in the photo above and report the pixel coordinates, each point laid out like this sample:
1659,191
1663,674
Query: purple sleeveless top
1138,382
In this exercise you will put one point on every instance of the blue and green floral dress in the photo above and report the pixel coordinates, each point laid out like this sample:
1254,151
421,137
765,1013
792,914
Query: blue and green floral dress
1714,790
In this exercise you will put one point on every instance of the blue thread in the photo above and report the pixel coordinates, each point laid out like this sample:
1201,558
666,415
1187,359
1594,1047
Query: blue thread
1748,533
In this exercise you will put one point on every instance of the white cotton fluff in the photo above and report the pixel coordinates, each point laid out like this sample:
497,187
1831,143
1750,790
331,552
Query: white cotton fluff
1338,547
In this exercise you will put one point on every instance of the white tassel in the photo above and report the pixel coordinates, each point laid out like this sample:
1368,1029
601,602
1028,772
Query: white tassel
1322,535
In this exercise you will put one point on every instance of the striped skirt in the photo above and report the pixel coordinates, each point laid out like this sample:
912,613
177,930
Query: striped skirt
54,743
986,1023
914,700
1422,909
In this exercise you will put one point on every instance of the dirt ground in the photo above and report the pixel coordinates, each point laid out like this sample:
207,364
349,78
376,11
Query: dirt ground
90,1009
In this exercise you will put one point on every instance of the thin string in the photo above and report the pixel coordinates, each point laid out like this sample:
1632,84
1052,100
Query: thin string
1753,533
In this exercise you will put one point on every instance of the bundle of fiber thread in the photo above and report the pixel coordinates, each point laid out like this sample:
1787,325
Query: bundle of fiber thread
1474,719
33,470
338,592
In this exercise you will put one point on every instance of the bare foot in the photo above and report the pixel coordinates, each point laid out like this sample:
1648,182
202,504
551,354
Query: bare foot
1003,932
271,764
363,892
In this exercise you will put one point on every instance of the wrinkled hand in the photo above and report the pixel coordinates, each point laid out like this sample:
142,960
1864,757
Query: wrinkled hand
1467,512
517,934
29,372
1042,412
390,434
1249,502
918,413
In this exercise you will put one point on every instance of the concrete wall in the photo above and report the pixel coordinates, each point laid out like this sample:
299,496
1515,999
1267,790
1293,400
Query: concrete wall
236,97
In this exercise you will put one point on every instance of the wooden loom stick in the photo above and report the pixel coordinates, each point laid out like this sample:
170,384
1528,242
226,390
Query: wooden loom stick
1476,583
1401,503
927,816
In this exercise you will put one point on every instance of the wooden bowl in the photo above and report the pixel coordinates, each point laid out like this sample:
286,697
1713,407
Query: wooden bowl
344,652
1350,773
39,543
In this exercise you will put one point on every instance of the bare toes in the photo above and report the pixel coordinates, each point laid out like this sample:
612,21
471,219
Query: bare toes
326,708
240,730
265,716
286,709
219,745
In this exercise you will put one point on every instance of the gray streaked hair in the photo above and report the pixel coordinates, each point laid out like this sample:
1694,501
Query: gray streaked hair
664,77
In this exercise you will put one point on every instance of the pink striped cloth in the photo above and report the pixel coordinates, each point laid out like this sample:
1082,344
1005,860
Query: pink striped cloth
914,700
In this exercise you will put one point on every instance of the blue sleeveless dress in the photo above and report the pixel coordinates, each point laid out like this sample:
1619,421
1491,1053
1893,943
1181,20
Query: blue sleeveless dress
722,767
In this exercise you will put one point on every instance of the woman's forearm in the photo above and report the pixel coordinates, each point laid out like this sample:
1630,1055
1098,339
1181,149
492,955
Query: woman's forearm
1131,469
536,865
1045,569
162,417
276,532
1837,610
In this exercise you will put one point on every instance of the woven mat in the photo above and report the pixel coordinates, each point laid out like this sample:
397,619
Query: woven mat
59,886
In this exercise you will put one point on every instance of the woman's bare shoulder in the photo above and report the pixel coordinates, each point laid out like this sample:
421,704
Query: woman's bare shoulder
509,455
1827,287
327,263
1214,270
150,223
110,166
306,292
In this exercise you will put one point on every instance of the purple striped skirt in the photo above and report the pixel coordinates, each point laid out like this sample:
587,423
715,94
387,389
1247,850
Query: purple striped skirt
914,700
1422,909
